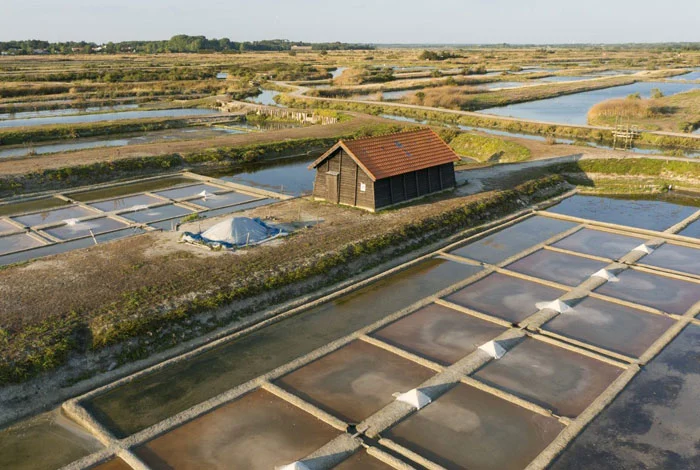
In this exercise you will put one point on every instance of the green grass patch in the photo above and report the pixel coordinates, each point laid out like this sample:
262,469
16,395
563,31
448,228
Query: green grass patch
489,149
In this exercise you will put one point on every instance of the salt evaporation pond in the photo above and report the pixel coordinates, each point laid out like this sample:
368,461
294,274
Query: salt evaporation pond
650,215
573,109
198,132
83,118
150,399
64,112
290,177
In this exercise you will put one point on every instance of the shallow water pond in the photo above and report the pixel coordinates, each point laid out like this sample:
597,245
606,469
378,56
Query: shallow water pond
45,442
291,177
469,428
651,215
52,216
17,242
505,243
147,400
256,431
130,188
78,119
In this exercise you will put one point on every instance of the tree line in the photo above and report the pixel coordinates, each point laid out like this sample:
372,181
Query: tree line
178,43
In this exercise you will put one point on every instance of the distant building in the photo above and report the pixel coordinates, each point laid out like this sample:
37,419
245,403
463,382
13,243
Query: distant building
301,48
377,172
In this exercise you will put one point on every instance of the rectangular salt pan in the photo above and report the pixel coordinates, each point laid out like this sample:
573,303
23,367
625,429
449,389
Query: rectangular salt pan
439,333
514,239
256,431
506,297
221,200
17,242
599,243
355,381
661,292
675,257
83,229
189,191
126,203
550,376
469,428
157,213
557,267
611,326
53,216
651,215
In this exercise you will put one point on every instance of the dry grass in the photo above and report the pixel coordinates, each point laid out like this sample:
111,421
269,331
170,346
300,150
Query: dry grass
624,108
451,97
677,113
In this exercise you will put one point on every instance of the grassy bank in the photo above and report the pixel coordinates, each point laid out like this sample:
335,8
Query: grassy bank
631,176
489,149
165,310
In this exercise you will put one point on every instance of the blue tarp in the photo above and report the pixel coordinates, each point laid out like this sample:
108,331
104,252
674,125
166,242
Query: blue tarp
235,232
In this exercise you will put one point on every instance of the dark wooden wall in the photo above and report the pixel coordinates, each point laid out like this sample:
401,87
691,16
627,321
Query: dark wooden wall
407,186
349,181
381,193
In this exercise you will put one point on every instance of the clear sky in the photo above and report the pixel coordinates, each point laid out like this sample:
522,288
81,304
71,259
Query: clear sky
377,21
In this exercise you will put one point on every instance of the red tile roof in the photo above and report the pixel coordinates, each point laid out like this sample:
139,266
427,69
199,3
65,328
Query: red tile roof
395,154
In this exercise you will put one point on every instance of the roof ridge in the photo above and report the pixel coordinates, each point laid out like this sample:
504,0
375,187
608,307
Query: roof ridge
422,129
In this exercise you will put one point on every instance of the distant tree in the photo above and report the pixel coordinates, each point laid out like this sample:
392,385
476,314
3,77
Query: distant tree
656,93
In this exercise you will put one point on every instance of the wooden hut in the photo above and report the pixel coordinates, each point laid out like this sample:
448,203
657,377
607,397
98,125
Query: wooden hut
376,172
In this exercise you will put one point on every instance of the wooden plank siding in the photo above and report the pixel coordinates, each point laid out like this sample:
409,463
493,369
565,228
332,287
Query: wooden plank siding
381,193
350,180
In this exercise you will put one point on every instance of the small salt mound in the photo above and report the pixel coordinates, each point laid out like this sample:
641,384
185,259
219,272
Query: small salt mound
493,349
556,305
415,398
